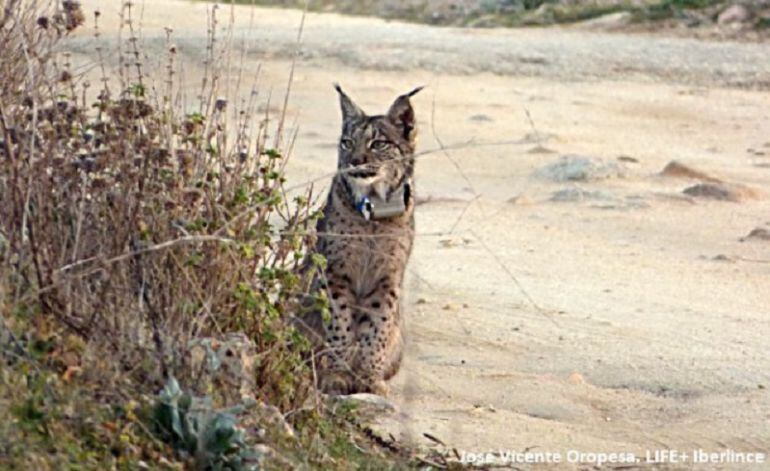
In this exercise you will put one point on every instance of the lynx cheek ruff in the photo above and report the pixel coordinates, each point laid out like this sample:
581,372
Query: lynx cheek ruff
375,207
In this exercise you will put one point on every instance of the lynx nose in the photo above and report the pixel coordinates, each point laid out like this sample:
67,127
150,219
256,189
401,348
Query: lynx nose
356,162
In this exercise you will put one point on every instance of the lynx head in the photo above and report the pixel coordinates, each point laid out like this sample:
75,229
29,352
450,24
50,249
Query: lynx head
376,152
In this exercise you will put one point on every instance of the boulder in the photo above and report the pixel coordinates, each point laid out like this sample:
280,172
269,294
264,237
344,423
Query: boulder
676,169
734,15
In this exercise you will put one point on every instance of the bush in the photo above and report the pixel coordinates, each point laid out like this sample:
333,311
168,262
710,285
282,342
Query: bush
129,227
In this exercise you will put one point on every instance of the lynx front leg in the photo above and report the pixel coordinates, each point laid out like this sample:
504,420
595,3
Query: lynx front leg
378,341
336,376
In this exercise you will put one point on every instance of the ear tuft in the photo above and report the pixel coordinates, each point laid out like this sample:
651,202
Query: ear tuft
349,109
415,91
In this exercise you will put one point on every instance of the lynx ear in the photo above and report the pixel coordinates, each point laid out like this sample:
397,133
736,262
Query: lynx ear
349,109
402,114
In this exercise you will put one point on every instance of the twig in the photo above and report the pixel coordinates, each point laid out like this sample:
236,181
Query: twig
463,145
279,131
433,438
152,248
510,274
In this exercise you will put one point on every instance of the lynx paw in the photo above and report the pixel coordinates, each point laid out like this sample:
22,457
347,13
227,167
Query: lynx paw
335,384
378,387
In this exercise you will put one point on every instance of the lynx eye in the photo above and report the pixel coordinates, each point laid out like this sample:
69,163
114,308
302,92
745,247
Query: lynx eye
346,144
379,145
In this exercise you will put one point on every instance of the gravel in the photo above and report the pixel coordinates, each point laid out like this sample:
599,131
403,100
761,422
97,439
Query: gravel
557,53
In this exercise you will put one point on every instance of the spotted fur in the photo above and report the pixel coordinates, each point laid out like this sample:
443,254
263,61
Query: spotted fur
366,259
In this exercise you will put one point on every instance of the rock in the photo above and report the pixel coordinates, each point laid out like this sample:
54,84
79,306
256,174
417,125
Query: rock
599,199
709,190
710,186
266,457
722,192
259,418
576,379
372,402
759,233
481,118
679,170
539,149
225,365
734,14
272,417
454,242
628,158
447,243
722,258
521,200
580,168
608,22
575,194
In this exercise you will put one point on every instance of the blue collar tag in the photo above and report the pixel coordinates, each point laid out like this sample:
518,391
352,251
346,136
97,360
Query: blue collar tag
365,208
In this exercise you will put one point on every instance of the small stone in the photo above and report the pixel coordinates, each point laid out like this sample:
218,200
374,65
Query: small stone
759,233
521,200
574,194
579,168
721,192
722,258
447,243
576,379
379,403
481,118
541,149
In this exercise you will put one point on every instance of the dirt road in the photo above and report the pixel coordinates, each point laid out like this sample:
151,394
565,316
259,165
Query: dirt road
614,314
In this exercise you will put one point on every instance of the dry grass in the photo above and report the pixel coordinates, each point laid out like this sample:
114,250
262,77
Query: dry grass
130,227
119,213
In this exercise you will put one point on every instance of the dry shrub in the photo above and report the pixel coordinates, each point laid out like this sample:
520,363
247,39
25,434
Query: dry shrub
134,226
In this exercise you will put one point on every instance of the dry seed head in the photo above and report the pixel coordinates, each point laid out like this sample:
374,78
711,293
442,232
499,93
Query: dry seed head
73,14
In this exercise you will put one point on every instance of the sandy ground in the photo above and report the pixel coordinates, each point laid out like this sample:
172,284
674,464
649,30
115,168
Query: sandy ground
629,319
